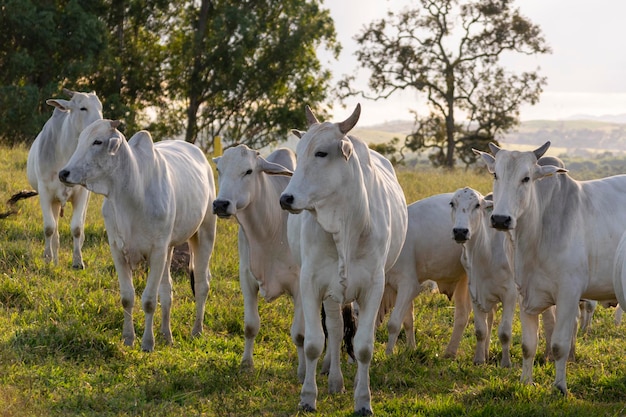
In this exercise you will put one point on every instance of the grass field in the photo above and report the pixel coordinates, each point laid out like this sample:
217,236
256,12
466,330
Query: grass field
61,352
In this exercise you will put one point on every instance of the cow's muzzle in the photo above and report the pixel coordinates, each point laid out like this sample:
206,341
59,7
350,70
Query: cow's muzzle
501,222
63,177
461,234
286,203
220,207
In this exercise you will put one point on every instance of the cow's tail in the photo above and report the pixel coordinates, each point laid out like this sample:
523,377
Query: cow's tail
11,202
192,281
349,329
386,304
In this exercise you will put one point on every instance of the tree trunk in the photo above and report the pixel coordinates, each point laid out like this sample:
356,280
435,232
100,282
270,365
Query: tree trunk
195,90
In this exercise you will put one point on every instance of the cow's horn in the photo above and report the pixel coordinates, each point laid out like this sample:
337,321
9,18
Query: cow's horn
310,117
541,150
350,122
115,124
68,92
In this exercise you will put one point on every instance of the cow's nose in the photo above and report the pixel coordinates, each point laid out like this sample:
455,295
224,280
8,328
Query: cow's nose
286,200
220,207
460,234
501,222
63,175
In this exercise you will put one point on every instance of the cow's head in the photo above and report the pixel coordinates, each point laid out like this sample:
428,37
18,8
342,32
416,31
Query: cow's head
91,162
323,154
83,108
515,174
239,175
468,207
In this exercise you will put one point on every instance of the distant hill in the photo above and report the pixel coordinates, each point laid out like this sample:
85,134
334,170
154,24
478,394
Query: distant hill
573,135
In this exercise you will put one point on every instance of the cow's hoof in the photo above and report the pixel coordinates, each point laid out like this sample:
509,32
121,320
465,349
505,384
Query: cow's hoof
364,412
306,408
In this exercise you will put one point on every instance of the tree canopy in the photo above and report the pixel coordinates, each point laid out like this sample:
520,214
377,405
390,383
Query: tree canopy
242,70
450,52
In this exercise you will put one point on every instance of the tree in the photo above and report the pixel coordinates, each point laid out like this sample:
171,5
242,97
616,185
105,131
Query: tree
450,52
243,70
43,46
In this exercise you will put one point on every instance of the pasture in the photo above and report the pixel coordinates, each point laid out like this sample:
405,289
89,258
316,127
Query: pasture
61,350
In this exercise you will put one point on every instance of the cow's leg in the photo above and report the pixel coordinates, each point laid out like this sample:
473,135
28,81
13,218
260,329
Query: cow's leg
127,292
50,209
369,302
530,327
566,313
505,330
250,290
334,326
404,307
548,318
481,331
165,297
201,250
297,333
157,263
313,338
462,307
79,212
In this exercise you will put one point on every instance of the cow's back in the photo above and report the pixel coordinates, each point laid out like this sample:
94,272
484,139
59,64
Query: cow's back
43,159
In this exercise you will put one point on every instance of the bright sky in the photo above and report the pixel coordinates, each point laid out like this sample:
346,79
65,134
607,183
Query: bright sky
586,70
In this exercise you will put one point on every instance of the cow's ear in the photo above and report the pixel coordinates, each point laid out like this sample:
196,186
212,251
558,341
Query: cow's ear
216,159
63,105
297,133
114,144
547,170
346,148
488,159
272,168
486,204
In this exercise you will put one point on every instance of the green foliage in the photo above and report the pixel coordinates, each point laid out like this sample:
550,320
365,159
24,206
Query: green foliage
450,52
61,352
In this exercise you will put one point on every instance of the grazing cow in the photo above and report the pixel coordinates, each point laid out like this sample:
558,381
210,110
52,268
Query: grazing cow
564,235
157,196
352,230
249,190
488,267
50,151
428,254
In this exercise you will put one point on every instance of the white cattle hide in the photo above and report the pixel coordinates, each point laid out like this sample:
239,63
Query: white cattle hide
50,151
564,233
353,228
157,196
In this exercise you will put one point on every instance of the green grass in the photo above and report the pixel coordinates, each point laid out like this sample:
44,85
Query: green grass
61,352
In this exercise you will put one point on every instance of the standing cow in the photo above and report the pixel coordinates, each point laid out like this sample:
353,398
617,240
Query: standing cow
489,270
249,190
352,230
157,196
50,151
428,254
564,233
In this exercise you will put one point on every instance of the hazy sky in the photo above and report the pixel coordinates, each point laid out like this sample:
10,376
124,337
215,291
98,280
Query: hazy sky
586,70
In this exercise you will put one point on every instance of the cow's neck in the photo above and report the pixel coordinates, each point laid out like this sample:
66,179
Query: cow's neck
132,181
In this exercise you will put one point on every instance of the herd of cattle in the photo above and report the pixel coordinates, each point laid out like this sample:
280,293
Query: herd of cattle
334,228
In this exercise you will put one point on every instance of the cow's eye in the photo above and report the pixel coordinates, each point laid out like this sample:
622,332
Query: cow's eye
97,142
495,176
452,204
248,172
477,206
83,109
525,179
321,154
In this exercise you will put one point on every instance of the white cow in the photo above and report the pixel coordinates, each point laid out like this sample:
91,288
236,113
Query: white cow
50,151
565,234
157,196
489,270
353,227
249,190
428,254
